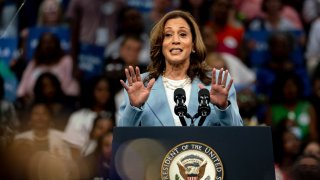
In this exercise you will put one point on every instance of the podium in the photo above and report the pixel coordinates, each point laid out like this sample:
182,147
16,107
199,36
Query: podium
203,153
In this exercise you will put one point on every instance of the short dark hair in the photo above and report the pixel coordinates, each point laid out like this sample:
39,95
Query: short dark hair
38,88
87,99
131,37
301,171
264,4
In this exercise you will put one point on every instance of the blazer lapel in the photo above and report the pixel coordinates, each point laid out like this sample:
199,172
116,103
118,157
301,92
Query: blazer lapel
158,103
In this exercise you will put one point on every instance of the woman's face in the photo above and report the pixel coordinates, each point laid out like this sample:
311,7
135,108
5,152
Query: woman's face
196,3
102,126
130,51
50,12
316,87
291,143
49,90
107,146
209,38
101,92
313,148
48,44
220,11
40,117
177,43
273,6
290,90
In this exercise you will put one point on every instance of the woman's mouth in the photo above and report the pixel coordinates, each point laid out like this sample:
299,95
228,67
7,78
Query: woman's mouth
176,50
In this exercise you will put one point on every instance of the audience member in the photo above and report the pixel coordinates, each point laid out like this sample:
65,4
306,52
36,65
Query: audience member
129,56
129,51
93,22
199,9
272,20
312,50
315,97
281,45
96,98
287,103
290,11
97,164
312,148
243,76
248,9
279,61
286,147
9,123
229,35
310,10
7,10
48,90
209,38
159,9
50,156
50,13
42,135
131,23
102,124
307,167
249,107
48,57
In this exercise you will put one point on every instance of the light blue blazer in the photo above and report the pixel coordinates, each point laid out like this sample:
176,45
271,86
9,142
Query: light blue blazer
156,110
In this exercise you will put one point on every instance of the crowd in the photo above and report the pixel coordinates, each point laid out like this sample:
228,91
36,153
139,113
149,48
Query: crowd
59,123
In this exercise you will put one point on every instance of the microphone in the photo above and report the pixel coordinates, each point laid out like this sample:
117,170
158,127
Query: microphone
204,108
180,108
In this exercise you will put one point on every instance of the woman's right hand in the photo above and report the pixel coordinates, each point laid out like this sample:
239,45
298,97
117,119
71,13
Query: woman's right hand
137,92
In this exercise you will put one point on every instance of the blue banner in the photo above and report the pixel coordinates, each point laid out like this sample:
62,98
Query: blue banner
91,60
10,82
143,6
8,48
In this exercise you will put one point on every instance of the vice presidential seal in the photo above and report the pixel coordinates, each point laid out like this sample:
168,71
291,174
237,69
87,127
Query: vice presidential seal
192,161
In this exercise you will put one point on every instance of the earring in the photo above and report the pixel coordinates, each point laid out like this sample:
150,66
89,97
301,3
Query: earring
193,51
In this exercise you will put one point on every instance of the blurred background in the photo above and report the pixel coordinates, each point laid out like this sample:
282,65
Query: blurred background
61,62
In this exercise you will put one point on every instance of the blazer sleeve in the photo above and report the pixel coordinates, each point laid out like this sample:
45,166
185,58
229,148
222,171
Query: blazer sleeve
129,115
229,116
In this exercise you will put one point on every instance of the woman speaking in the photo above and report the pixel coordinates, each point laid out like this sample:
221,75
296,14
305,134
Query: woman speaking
177,52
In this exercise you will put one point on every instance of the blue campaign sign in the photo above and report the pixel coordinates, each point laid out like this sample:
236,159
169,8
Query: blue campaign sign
144,6
10,82
8,47
260,54
91,60
62,32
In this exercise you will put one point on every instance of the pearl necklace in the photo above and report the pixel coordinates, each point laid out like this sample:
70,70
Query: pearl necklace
176,84
38,138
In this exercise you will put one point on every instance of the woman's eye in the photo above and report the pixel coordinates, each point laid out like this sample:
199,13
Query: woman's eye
167,35
183,34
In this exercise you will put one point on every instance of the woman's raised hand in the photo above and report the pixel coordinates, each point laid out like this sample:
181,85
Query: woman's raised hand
137,92
219,88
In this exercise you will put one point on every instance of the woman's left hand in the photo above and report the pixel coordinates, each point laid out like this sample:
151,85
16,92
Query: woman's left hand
219,88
